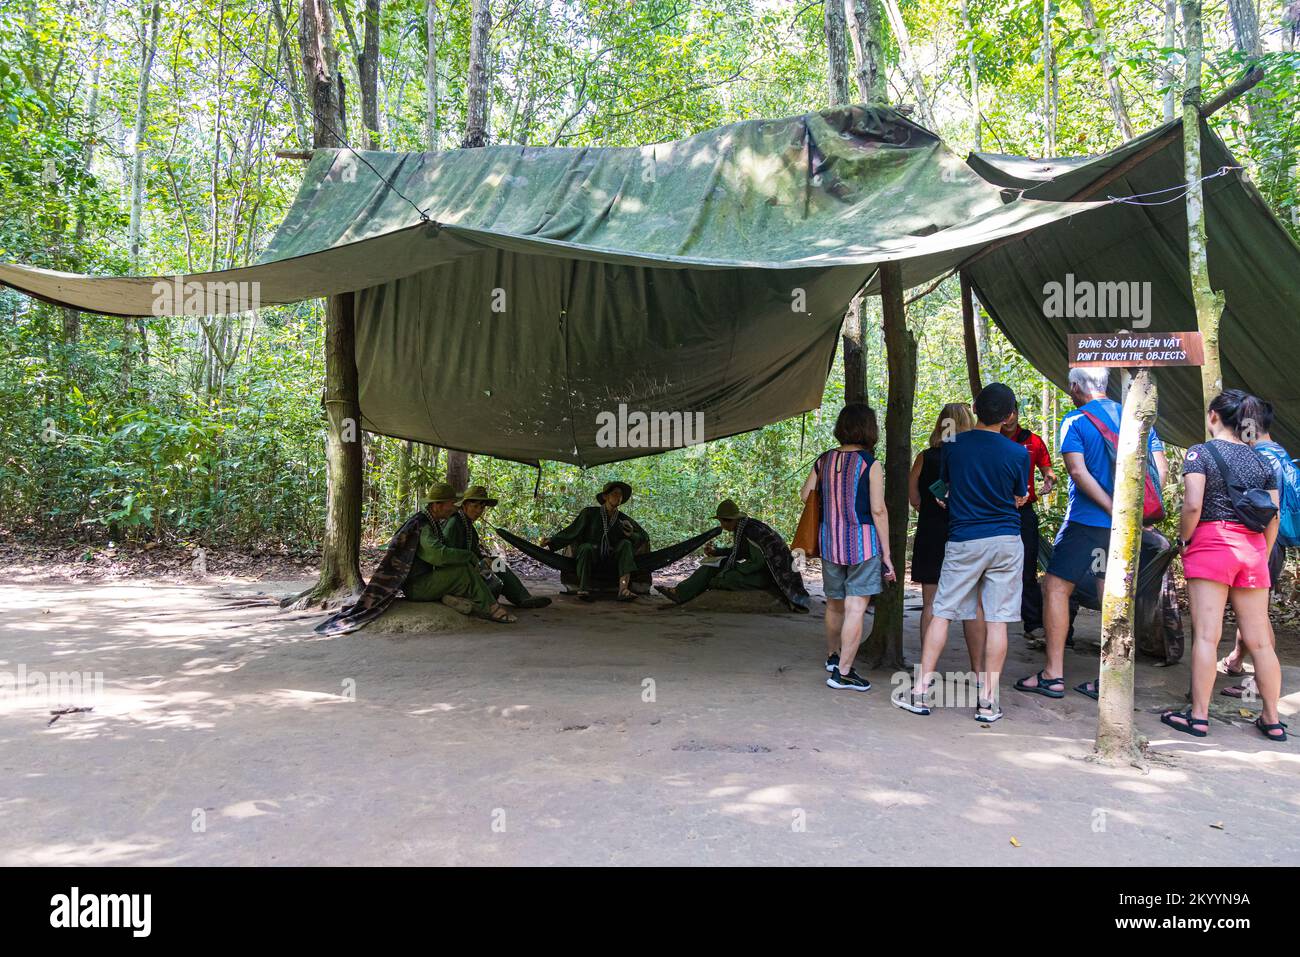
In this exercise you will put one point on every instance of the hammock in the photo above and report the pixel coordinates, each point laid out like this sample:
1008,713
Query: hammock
649,562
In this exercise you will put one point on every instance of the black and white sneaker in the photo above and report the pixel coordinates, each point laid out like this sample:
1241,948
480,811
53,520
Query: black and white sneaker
832,662
850,682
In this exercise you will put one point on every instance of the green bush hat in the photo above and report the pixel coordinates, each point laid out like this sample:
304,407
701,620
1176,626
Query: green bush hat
477,493
729,510
442,492
610,486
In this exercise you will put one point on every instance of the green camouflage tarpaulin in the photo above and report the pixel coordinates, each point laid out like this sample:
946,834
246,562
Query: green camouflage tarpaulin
1252,259
518,300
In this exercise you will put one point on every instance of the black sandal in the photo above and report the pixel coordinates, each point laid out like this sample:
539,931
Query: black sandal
1267,729
1192,726
1094,694
1041,688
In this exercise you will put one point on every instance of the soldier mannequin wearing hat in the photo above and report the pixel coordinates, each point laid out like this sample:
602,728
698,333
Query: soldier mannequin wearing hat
758,560
460,532
603,533
444,572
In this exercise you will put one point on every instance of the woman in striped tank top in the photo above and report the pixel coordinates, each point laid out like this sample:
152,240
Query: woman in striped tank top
853,537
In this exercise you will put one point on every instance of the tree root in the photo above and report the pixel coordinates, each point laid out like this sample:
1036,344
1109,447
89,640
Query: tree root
324,596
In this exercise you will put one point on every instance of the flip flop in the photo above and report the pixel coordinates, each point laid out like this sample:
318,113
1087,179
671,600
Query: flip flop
1094,694
1238,691
1041,688
1193,725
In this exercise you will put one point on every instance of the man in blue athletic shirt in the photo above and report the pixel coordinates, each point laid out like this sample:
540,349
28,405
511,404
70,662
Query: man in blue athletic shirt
1079,553
988,480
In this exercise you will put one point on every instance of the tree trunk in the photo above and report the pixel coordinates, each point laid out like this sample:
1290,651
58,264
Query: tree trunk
866,23
883,648
368,70
837,65
1116,743
149,46
1108,71
1209,303
969,338
1168,75
340,570
431,75
479,84
1049,83
907,63
973,77
855,353
291,73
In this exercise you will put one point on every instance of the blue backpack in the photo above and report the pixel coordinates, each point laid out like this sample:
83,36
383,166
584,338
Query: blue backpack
1288,491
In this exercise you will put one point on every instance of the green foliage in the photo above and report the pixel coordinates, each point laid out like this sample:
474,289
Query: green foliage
212,431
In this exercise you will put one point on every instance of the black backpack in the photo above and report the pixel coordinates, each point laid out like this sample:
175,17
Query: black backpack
1253,507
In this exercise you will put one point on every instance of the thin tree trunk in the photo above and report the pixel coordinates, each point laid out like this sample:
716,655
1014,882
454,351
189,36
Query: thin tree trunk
883,648
149,45
973,77
431,75
291,72
340,569
1116,743
479,85
1168,75
866,23
368,68
1108,70
969,339
837,65
907,63
1049,83
1209,302
855,353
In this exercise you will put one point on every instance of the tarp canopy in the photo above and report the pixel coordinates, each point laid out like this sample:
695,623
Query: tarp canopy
511,300
1253,259
514,300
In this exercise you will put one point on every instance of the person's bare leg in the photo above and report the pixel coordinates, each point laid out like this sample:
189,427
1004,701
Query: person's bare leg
851,631
834,625
995,657
1251,606
1056,622
975,630
1206,600
927,608
1237,657
932,645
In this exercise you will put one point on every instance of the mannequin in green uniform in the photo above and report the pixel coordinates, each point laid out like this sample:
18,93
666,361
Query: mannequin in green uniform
460,532
748,572
442,572
603,533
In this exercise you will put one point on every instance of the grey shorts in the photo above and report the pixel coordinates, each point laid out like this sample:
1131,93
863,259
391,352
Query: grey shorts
983,571
856,581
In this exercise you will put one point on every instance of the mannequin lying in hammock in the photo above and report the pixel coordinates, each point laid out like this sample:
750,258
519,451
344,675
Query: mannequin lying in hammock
608,547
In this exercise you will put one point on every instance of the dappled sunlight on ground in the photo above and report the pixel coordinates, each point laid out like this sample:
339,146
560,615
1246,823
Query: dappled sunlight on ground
229,733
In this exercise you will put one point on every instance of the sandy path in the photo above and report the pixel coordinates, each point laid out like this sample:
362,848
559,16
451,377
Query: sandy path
228,736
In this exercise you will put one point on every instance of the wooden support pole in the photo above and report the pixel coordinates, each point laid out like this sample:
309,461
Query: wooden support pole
883,648
1116,743
968,336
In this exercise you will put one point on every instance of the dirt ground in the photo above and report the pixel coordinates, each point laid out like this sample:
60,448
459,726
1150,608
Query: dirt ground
585,734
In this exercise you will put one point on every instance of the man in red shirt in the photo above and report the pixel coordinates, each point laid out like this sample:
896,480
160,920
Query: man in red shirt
1031,596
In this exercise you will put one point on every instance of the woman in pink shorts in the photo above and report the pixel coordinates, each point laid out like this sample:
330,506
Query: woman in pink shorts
1224,561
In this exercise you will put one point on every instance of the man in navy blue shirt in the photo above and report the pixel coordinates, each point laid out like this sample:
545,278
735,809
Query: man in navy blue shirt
987,475
1079,554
